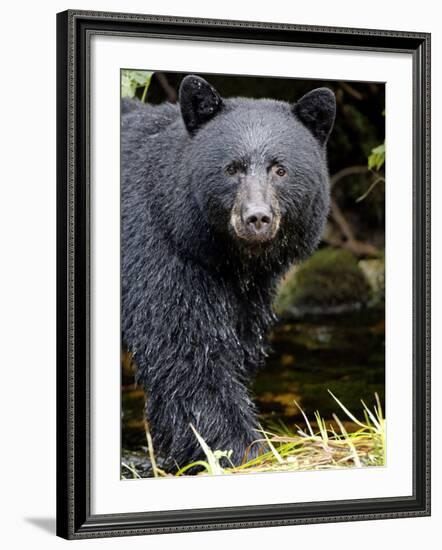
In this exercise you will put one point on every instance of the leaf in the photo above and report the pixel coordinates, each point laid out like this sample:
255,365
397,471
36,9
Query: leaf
127,88
220,454
377,157
141,77
131,80
213,461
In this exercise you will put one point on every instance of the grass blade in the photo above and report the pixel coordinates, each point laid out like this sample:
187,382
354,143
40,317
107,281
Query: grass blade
347,412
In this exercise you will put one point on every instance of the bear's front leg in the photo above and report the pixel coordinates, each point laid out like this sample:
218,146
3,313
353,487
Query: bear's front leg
216,404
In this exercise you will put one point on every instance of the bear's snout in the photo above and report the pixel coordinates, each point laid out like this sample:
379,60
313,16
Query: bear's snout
255,215
258,221
255,223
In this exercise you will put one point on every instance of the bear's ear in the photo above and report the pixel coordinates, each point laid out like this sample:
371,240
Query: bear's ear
199,102
316,110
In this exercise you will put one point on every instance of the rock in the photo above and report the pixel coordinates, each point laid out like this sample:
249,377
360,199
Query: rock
374,271
331,281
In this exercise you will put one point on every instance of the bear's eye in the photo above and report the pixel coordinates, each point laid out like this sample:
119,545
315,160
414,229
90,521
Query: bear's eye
280,171
231,170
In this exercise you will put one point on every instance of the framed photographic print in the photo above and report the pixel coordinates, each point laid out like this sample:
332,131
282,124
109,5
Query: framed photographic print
243,274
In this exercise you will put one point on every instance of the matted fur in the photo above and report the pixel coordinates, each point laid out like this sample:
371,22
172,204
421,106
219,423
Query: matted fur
196,299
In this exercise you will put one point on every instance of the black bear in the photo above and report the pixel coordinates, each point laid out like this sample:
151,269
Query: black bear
219,197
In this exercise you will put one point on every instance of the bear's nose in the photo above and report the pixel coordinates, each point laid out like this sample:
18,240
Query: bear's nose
259,220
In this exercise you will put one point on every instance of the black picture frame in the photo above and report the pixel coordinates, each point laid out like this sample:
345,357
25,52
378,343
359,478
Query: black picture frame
74,519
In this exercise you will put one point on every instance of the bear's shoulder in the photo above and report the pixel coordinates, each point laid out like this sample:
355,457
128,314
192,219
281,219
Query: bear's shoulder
149,118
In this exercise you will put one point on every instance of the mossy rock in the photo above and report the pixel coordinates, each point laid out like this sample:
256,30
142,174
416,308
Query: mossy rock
374,271
330,280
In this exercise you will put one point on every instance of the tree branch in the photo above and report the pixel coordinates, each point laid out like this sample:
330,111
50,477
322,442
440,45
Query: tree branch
170,91
351,91
348,171
348,240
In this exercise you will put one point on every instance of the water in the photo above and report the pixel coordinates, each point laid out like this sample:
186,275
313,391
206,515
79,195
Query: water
343,353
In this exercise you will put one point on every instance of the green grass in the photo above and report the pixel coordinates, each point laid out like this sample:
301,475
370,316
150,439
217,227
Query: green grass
317,446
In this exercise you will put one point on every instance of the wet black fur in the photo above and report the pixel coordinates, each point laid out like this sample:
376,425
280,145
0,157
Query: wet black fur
196,302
